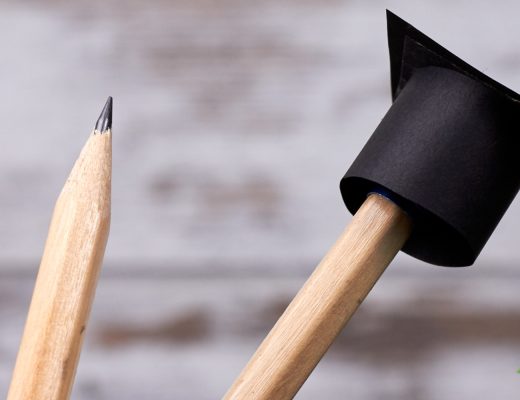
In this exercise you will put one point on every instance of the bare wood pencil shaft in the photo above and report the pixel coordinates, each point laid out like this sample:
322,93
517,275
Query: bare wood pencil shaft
326,302
66,281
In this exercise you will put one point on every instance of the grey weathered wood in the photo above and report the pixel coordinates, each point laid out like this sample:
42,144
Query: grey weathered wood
224,111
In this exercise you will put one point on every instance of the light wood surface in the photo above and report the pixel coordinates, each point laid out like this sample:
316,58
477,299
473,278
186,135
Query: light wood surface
326,302
65,286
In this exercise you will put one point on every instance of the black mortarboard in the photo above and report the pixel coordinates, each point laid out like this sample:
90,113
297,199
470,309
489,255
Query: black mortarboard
447,151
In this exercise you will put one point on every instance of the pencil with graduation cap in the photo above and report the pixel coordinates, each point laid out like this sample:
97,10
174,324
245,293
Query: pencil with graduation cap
433,180
66,282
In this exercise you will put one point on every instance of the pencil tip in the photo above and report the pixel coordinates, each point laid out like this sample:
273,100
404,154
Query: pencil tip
104,122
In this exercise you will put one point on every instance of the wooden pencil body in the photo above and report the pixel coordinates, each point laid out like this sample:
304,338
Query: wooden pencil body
65,286
326,302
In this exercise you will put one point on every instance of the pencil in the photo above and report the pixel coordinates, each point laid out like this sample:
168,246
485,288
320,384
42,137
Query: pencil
66,281
325,303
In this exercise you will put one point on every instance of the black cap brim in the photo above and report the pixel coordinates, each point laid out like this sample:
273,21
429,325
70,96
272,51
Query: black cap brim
411,49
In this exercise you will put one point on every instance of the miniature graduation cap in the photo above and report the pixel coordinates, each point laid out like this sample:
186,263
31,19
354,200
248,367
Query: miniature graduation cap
446,152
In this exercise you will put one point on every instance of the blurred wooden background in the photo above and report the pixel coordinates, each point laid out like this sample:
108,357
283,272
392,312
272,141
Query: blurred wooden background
233,123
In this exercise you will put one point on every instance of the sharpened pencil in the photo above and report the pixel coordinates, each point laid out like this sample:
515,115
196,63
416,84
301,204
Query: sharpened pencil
66,282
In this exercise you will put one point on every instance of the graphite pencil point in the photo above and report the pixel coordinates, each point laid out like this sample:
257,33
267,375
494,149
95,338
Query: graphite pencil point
104,122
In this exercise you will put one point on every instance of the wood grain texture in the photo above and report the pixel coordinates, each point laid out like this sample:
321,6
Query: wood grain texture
324,305
65,286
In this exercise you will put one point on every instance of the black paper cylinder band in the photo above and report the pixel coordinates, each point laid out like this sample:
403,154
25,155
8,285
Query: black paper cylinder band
447,152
